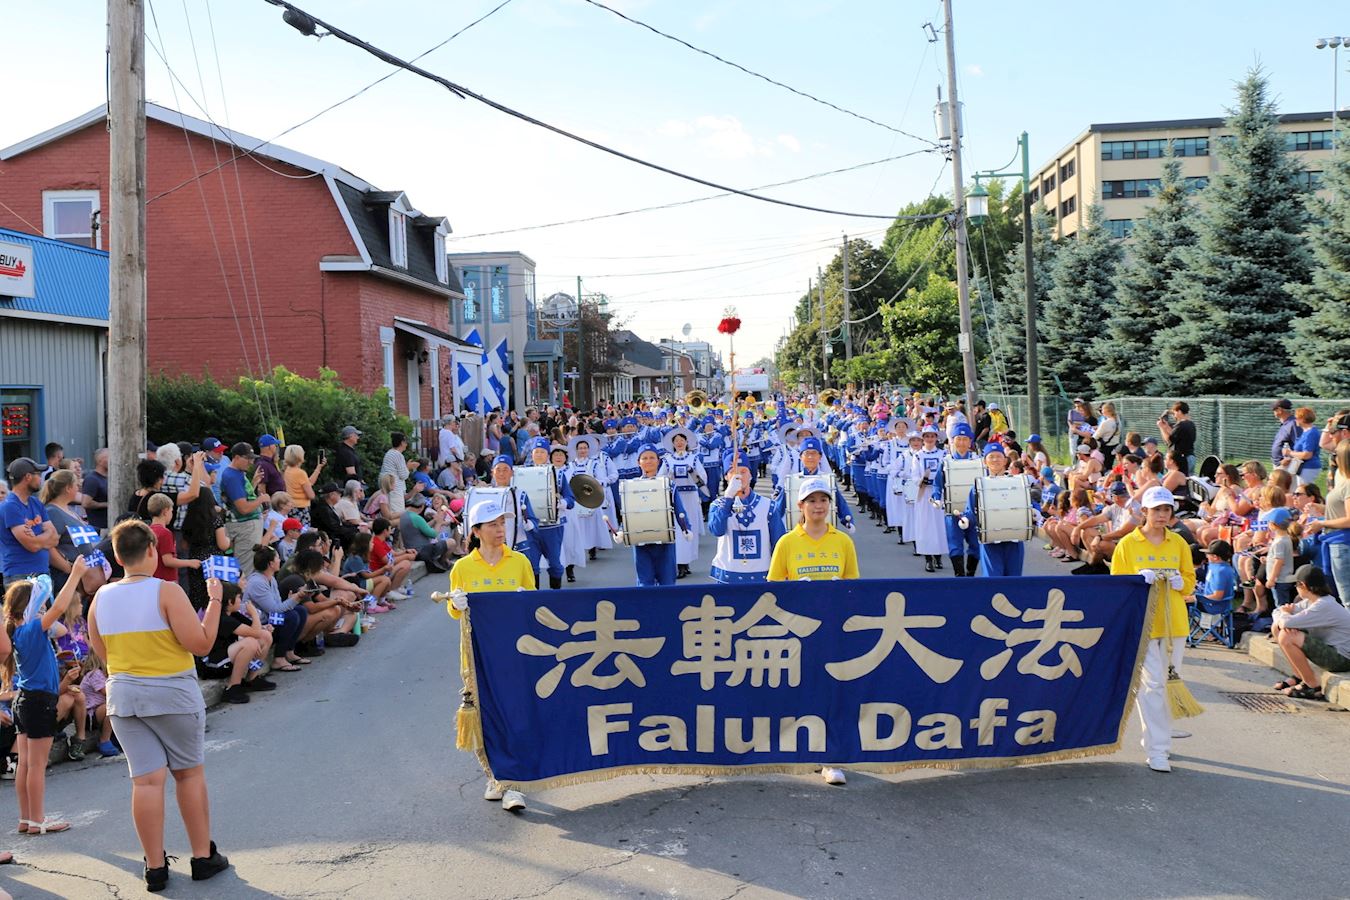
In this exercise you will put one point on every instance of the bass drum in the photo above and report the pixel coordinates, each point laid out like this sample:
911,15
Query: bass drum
958,477
794,515
648,517
540,484
1004,505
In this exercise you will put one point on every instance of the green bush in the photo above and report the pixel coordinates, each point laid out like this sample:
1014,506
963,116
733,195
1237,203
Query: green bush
305,411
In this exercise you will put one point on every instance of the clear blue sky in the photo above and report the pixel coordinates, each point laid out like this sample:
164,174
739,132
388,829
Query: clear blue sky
1051,67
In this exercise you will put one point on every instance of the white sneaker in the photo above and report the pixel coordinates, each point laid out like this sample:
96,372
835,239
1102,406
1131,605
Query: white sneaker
398,595
493,791
513,801
833,775
1178,733
1159,764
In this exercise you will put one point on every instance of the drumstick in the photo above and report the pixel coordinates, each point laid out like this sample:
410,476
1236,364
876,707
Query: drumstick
610,525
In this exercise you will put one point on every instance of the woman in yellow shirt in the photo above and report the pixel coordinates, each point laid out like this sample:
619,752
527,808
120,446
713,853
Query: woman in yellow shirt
815,551
491,566
299,485
1163,558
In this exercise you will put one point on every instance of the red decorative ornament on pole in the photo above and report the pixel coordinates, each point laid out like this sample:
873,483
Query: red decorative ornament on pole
730,324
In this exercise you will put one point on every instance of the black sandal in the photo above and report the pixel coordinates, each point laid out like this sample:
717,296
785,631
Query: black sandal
1288,684
1306,692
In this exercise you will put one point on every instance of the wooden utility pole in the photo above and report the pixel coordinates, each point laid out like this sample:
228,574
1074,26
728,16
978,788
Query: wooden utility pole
848,311
965,339
824,330
126,278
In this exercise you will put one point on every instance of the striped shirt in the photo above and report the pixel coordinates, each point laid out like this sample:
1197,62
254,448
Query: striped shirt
138,640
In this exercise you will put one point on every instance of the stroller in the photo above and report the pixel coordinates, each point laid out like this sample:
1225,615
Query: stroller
1200,487
1212,619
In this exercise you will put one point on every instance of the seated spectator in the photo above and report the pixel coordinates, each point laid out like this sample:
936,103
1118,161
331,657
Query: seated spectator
1219,516
74,641
93,685
286,618
1220,585
1050,490
348,508
330,597
1115,521
279,509
1174,475
357,568
380,505
1035,454
397,564
70,704
1073,506
419,536
240,642
324,517
1315,630
290,533
1086,472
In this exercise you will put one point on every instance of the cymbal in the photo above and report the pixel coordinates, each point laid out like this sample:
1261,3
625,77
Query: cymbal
589,492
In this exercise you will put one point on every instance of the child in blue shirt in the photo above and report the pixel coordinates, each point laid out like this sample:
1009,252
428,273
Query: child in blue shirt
1220,578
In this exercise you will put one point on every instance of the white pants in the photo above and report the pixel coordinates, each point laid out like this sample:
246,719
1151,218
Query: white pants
1154,713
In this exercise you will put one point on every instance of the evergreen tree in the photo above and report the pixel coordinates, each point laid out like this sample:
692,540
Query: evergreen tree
1007,356
1233,306
1079,298
1143,309
1320,344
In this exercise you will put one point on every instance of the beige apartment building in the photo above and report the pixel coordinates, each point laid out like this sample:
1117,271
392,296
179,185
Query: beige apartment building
1119,165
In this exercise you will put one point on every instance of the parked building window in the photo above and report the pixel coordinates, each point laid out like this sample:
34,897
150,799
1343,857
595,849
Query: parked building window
398,238
1120,228
1048,184
1310,180
1116,150
1068,207
1196,183
1035,194
1190,146
1066,171
387,346
1307,140
1119,190
1051,213
71,216
442,263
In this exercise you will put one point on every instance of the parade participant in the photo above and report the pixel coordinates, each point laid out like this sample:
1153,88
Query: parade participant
999,558
898,483
549,538
523,520
1163,558
589,459
746,532
490,567
710,447
895,478
811,462
686,474
573,550
655,563
930,537
815,551
623,452
962,545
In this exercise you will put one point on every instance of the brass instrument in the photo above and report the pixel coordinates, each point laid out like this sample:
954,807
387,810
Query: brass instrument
829,397
696,399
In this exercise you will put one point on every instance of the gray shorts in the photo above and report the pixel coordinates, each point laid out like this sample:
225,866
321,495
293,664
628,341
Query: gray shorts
176,740
1322,654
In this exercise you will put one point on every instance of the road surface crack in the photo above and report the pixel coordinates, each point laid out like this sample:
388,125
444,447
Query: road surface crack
112,888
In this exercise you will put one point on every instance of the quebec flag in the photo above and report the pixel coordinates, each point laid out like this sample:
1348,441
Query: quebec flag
468,379
497,381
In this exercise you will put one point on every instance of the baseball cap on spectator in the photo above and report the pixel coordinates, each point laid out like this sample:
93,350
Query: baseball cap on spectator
993,407
1079,401
1158,496
417,500
1118,489
22,468
811,486
330,487
1151,440
244,449
1282,403
1280,516
213,445
484,511
350,430
457,504
1033,438
268,440
1048,472
1083,450
292,525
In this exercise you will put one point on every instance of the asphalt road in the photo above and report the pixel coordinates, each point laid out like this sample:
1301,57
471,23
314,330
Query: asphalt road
345,783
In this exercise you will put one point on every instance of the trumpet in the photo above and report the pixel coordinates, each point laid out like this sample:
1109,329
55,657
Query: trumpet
696,399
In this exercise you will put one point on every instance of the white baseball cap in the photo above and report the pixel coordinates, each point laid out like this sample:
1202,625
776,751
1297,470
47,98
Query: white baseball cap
484,511
1084,449
812,486
1157,496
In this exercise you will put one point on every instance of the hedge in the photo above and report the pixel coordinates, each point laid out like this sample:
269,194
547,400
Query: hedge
305,411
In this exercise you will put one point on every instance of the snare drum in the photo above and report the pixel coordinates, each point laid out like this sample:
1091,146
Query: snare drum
794,514
648,517
540,484
958,477
910,490
1004,505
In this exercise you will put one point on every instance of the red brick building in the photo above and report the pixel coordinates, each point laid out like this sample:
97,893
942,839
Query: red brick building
259,256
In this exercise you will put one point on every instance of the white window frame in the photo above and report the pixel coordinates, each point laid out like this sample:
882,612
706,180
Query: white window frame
387,346
49,201
398,237
442,261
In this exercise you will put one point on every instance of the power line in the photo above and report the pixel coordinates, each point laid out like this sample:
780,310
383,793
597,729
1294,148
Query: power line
933,145
311,23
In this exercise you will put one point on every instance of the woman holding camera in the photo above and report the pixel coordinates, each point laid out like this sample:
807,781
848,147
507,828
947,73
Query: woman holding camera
299,485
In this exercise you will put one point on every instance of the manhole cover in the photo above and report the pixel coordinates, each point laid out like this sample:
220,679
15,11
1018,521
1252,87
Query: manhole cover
1262,703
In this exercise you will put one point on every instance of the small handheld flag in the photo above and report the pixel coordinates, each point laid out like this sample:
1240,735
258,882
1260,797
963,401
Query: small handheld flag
224,568
82,534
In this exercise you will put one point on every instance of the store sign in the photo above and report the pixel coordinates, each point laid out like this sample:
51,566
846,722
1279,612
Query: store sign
16,421
16,270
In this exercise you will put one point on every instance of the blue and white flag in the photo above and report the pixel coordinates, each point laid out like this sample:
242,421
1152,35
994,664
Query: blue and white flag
276,618
225,568
96,560
82,534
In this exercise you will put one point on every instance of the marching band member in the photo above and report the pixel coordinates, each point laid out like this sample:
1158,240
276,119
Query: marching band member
811,462
573,549
905,463
710,447
587,459
523,520
686,473
962,544
894,486
549,538
490,567
655,563
746,532
815,551
624,455
1000,558
930,537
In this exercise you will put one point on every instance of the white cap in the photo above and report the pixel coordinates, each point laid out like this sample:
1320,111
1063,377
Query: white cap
484,511
1157,496
812,486
1083,448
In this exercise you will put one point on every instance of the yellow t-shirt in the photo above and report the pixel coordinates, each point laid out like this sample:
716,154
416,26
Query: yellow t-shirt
1135,553
797,556
296,479
474,575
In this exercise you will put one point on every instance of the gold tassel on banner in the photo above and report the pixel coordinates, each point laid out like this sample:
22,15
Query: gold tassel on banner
1179,697
468,724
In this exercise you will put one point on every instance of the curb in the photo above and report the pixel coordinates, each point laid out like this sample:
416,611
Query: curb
1265,651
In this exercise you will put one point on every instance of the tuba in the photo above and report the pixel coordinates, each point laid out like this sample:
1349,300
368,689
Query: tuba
829,397
696,399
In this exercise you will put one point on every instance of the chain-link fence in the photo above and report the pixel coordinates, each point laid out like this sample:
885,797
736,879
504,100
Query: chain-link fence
1231,428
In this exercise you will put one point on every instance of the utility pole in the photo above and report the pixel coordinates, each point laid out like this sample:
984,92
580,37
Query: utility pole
126,284
848,329
824,330
810,314
964,340
577,401
1028,264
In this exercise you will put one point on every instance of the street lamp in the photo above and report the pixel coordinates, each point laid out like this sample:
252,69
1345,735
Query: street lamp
977,204
1335,43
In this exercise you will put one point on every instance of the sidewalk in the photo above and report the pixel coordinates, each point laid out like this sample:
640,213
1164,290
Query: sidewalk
1265,651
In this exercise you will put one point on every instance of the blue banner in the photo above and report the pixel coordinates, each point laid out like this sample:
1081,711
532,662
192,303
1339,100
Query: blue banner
881,676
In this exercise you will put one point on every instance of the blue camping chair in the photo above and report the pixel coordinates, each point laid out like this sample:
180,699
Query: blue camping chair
1212,619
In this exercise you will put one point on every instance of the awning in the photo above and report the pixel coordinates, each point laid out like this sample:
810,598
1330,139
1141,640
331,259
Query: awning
542,351
433,335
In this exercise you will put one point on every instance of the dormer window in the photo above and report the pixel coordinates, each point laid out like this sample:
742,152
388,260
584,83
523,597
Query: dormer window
398,237
442,263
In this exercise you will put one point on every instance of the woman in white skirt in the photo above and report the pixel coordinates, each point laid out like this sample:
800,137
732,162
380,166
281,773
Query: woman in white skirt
687,476
930,531
900,510
587,459
573,553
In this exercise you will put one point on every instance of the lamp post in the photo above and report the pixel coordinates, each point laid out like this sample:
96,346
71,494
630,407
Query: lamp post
1335,43
977,210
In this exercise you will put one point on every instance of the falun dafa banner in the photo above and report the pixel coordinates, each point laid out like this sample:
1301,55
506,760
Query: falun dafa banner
879,676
